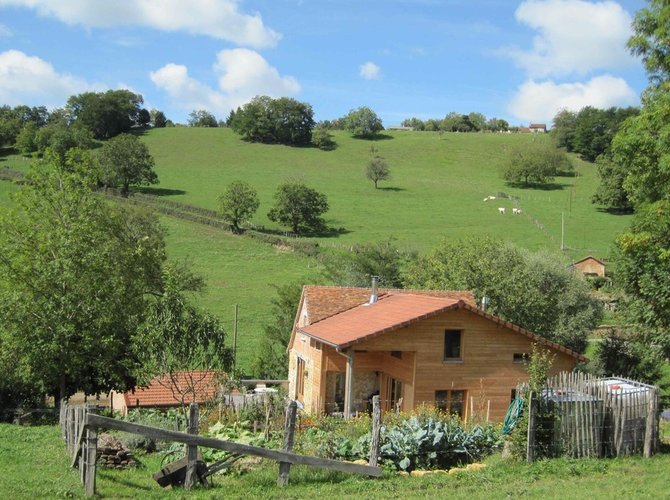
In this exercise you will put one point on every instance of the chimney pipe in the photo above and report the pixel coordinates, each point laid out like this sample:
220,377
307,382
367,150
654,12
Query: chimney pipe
485,303
373,296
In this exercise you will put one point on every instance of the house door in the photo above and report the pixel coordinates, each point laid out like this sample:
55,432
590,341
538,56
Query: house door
392,394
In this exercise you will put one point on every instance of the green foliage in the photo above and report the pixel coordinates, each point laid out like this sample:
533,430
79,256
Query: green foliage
356,266
651,32
126,161
299,207
74,274
25,141
238,204
533,290
635,356
377,170
535,162
323,139
60,138
363,122
105,114
538,367
280,121
272,359
176,337
158,119
202,118
611,192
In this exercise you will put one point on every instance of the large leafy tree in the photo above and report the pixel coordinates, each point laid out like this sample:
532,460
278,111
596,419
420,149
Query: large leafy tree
177,337
535,291
363,122
105,114
75,272
202,118
651,33
533,163
267,120
299,207
238,204
126,161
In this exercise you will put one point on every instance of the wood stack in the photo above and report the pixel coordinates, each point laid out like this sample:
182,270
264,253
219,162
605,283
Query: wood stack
112,454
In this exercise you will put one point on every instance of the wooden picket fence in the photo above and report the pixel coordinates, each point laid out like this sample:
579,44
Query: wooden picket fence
80,424
594,417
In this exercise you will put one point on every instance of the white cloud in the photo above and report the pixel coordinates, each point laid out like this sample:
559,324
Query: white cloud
573,37
31,80
539,102
369,71
5,31
215,18
242,75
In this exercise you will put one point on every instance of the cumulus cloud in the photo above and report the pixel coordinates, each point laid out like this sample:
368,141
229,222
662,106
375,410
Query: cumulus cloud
218,19
30,80
573,37
369,71
541,101
242,75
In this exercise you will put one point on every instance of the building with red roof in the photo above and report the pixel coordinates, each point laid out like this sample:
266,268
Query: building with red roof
411,347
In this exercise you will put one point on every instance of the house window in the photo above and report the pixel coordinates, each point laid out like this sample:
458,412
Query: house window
396,354
451,401
520,357
452,345
315,344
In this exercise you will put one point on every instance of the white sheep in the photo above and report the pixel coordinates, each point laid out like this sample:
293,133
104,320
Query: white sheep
501,210
516,211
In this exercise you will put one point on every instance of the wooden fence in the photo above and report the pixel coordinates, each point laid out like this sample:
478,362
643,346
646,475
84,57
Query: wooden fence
80,426
585,416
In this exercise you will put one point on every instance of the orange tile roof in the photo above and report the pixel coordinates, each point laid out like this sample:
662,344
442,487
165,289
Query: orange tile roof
390,312
163,392
325,301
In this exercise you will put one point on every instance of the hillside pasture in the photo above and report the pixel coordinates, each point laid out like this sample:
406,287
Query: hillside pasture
436,191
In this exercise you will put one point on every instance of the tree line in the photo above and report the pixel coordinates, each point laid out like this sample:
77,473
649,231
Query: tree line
457,122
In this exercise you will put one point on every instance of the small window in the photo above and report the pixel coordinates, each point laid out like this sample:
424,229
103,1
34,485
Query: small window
451,401
396,354
315,344
520,357
452,345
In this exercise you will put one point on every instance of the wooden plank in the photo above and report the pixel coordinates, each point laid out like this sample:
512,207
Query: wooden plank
78,446
90,462
191,451
289,433
649,428
242,449
532,423
376,430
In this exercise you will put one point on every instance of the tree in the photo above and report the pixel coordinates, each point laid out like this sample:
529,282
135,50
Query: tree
272,359
202,118
620,354
610,191
299,207
323,139
105,114
535,162
280,121
60,138
177,337
533,290
355,267
563,129
143,117
377,170
363,122
25,141
238,204
158,118
126,161
651,33
75,272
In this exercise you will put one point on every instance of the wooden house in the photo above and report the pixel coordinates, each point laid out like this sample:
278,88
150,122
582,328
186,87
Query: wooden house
411,347
537,128
589,266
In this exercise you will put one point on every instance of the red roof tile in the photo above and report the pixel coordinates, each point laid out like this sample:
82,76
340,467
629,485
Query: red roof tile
163,391
390,312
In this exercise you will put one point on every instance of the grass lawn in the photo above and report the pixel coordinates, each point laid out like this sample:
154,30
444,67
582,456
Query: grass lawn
35,465
436,191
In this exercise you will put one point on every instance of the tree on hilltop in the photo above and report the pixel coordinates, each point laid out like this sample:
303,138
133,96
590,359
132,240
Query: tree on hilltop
125,161
299,207
238,203
363,122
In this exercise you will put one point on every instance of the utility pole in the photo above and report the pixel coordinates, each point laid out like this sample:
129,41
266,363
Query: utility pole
562,231
237,309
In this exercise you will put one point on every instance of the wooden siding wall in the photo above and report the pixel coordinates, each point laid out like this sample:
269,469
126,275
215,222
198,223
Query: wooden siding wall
591,266
487,371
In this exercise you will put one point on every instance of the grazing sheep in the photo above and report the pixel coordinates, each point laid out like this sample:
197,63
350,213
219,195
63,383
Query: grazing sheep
501,210
516,210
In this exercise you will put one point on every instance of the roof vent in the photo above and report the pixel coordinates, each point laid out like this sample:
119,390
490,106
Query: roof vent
373,296
485,303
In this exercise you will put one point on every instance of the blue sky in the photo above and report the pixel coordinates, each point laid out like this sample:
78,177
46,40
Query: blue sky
517,60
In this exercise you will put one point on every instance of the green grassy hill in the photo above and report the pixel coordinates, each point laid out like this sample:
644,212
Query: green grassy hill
437,189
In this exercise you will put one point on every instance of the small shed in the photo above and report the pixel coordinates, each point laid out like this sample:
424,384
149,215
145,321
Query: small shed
589,266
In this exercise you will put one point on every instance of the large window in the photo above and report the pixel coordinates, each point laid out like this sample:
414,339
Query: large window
451,401
452,345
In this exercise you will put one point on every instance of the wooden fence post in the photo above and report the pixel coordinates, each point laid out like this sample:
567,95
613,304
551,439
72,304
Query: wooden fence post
532,410
650,434
376,430
289,432
91,454
192,451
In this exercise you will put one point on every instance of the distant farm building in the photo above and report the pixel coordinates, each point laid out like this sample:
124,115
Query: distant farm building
537,128
589,266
